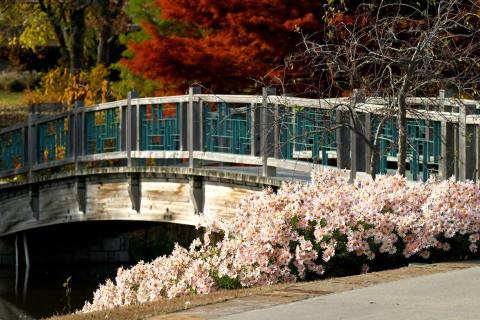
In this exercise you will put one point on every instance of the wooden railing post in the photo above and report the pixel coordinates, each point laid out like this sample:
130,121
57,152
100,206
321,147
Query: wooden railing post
183,125
447,140
254,130
131,124
194,125
267,137
343,140
31,144
276,131
138,126
466,144
78,132
477,153
357,145
72,121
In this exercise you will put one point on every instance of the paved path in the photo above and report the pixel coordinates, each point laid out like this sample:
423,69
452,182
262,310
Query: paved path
450,295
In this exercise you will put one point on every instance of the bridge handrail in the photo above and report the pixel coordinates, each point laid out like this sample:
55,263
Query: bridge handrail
371,105
128,139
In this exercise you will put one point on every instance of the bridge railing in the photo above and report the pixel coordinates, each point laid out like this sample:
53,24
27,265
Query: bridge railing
268,131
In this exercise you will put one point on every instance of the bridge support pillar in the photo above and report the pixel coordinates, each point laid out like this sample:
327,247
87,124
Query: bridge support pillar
81,194
35,200
17,255
134,191
197,193
25,250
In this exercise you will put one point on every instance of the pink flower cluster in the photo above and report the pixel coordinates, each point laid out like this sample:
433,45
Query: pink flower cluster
278,237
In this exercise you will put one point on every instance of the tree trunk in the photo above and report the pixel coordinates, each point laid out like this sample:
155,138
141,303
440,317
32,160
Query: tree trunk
53,19
77,38
105,33
103,48
402,136
374,161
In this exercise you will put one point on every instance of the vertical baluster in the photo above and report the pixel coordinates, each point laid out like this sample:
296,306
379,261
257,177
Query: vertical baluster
144,128
415,160
436,142
426,156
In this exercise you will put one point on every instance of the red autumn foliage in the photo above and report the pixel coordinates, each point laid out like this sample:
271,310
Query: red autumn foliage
223,45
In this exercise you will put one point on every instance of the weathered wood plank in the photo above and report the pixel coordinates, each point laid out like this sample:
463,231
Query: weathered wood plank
15,212
221,199
58,201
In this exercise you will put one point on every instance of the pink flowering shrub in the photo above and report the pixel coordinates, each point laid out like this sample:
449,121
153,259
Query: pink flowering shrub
307,229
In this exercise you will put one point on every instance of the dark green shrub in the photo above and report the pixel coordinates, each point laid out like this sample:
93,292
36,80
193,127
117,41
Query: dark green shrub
16,86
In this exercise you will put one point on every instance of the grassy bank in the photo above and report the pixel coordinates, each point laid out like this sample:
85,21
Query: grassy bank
12,109
8,98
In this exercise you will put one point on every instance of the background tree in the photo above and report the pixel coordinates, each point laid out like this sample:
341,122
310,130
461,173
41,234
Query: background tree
222,44
398,49
24,25
67,24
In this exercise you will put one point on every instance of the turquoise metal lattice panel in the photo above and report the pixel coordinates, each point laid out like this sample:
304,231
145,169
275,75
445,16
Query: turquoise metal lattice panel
102,131
53,140
11,150
226,129
423,150
287,134
160,127
314,134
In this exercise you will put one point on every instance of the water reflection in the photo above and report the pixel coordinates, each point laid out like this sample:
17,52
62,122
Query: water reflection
38,292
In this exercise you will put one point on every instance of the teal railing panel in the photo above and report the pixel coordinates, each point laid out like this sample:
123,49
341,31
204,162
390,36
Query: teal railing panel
102,131
314,133
423,150
160,127
287,133
53,140
226,129
11,150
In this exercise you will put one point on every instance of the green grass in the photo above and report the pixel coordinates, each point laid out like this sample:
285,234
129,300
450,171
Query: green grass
12,108
10,98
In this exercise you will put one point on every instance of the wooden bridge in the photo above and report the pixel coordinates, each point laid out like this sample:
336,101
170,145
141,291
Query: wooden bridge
185,158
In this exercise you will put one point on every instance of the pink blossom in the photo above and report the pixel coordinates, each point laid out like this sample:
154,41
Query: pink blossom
271,232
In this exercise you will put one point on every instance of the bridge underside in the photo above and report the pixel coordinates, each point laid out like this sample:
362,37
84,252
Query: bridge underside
95,242
162,194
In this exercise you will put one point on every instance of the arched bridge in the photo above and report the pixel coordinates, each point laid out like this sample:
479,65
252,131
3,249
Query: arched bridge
174,158
161,194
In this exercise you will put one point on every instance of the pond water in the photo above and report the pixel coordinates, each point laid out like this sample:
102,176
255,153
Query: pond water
39,292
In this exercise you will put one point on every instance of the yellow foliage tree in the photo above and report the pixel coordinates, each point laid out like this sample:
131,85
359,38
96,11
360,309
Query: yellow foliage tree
60,86
24,24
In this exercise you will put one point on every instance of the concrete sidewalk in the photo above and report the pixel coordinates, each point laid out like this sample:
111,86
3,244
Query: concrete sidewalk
449,295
